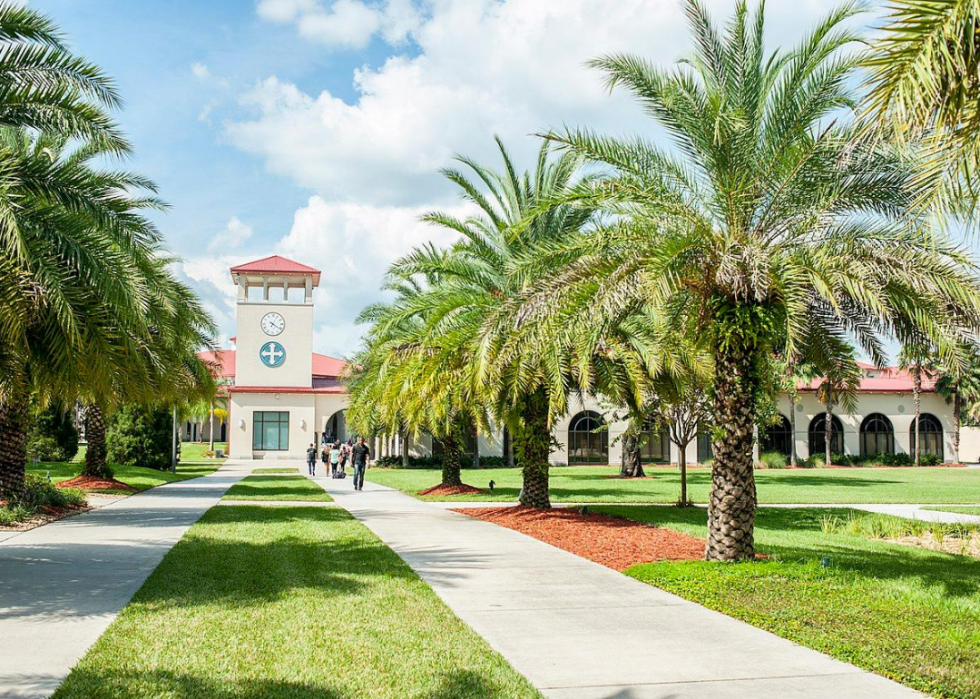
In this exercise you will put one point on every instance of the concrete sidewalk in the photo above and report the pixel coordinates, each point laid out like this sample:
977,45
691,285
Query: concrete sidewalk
576,629
62,584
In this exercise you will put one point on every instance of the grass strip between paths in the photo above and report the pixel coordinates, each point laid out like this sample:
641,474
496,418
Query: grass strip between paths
904,612
136,476
277,487
965,510
292,602
800,486
277,469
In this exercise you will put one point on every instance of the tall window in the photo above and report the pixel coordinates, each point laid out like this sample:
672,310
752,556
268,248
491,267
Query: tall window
656,445
777,437
587,443
817,442
705,451
270,431
877,435
931,432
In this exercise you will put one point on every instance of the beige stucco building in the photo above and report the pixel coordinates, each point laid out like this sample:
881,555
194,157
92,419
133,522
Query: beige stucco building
282,396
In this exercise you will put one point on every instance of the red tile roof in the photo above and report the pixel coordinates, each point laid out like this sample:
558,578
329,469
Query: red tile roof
284,389
889,380
323,366
276,264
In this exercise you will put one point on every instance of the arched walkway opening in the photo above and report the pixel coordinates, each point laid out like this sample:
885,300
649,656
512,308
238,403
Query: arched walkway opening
335,428
816,442
877,435
931,433
777,437
588,441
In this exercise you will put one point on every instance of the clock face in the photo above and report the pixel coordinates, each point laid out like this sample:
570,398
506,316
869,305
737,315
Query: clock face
273,324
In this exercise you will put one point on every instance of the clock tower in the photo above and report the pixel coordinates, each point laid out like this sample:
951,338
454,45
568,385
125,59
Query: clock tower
274,346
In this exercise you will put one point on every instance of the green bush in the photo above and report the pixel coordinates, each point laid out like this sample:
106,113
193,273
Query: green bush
929,460
51,436
40,492
773,459
140,436
435,462
895,459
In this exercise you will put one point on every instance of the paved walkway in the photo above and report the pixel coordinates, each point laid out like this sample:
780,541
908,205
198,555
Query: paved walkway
576,629
62,584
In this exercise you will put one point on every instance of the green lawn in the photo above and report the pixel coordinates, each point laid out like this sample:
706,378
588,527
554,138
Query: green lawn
280,469
136,476
288,602
958,510
818,486
194,451
907,613
277,487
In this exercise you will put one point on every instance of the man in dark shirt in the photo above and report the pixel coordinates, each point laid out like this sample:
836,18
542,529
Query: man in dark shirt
361,456
311,459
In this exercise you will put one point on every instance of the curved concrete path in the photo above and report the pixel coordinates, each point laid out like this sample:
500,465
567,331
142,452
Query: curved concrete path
62,584
577,629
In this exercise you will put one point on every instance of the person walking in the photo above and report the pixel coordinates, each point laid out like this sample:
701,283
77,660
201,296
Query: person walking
362,456
325,458
311,459
334,458
345,450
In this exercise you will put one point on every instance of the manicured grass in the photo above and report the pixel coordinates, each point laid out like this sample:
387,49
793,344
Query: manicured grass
136,476
288,602
904,612
818,486
275,470
277,487
958,510
194,451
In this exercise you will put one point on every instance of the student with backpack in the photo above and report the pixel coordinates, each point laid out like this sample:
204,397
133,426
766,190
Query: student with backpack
311,459
362,455
335,459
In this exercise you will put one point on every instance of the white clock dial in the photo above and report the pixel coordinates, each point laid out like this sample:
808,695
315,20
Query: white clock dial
273,324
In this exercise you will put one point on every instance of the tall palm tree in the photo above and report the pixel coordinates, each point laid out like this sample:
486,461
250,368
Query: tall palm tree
960,385
924,90
480,280
766,223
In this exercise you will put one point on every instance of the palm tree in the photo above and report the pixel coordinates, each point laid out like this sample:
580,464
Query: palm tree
838,386
924,90
768,223
480,282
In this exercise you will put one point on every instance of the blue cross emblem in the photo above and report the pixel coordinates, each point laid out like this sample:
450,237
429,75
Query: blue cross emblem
272,354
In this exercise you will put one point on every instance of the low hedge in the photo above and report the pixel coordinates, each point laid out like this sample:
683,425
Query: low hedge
39,493
435,462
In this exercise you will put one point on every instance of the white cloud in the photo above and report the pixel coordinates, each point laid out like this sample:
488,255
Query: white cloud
200,71
344,23
476,68
232,237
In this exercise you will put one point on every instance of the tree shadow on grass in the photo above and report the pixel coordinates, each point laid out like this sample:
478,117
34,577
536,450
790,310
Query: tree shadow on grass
83,682
955,576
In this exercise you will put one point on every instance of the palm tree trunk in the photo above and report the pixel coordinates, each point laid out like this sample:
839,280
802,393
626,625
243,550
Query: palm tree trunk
533,445
508,448
13,447
451,461
828,428
95,453
212,428
957,417
405,445
731,508
792,433
632,463
917,397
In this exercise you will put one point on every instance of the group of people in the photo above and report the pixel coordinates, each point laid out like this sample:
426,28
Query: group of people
337,454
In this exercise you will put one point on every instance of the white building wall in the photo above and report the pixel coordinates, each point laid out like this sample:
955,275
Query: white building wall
302,413
296,338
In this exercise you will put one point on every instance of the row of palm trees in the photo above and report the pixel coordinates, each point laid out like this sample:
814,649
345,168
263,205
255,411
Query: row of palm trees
89,309
785,221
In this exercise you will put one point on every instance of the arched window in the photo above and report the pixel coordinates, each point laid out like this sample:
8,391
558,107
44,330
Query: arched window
587,442
931,432
656,445
816,441
777,437
877,435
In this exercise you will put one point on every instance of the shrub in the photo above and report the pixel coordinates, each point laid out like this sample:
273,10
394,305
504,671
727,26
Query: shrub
838,459
895,459
40,492
929,460
773,459
51,436
435,462
140,436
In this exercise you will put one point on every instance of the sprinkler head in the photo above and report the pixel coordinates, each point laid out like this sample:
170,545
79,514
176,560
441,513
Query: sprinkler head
825,562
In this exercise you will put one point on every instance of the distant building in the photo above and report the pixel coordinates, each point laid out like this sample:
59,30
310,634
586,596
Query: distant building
281,396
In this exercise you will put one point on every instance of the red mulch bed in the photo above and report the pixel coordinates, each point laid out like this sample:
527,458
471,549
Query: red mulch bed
93,483
612,541
452,490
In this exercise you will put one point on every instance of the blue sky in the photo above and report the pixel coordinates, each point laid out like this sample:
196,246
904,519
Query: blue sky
315,128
